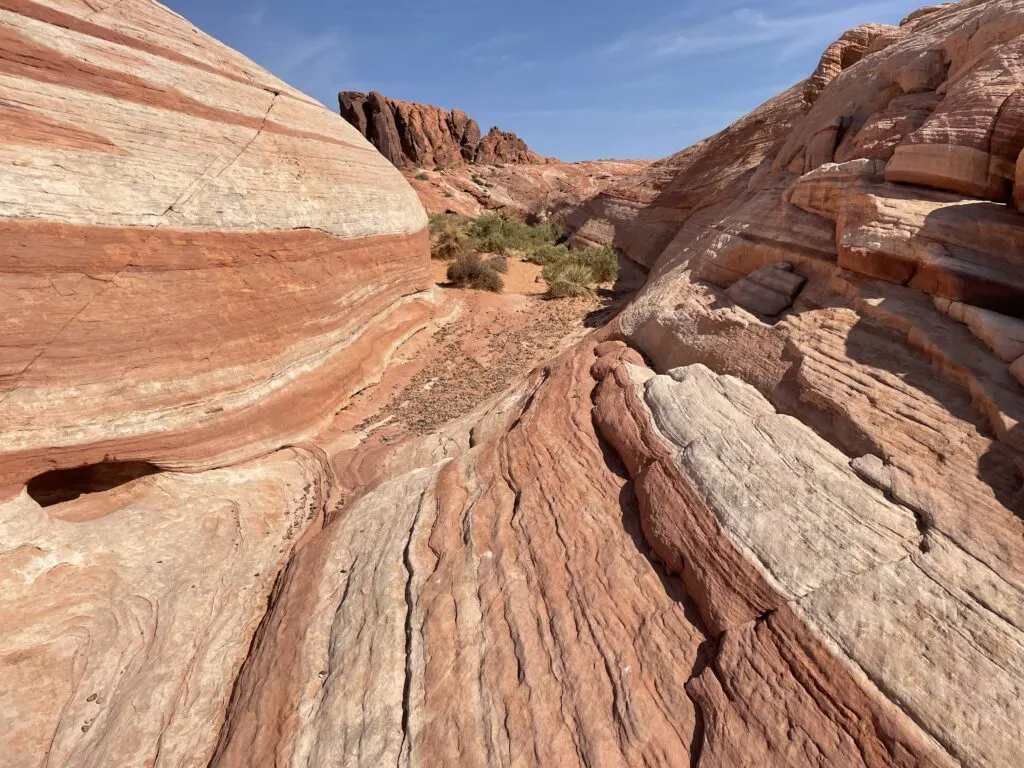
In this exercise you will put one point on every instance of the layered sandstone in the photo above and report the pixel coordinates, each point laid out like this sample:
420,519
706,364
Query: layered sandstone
900,349
455,169
199,266
210,247
769,515
552,190
424,135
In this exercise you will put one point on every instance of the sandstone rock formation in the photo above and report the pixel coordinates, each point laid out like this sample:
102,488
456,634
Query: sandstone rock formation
454,168
425,135
719,531
901,350
199,265
552,190
769,290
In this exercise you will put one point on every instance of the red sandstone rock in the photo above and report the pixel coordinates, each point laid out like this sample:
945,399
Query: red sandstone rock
868,357
551,190
213,250
425,135
788,543
199,266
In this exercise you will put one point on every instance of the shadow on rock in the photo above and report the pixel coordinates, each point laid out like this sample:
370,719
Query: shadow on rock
934,408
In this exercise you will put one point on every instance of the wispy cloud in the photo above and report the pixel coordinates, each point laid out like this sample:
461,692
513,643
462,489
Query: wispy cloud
309,54
254,16
315,61
501,55
497,46
678,36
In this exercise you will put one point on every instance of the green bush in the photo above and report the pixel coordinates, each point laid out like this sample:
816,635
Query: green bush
498,233
601,261
422,177
548,254
450,243
488,280
567,279
498,264
438,221
495,233
490,234
468,271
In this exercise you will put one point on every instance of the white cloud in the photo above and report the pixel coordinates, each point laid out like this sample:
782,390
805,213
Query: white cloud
254,16
492,47
744,28
307,54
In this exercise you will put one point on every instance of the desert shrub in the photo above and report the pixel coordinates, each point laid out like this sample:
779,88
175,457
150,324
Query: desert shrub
601,261
422,177
488,280
498,264
438,221
494,242
488,224
451,243
468,270
539,236
489,234
497,233
547,254
567,278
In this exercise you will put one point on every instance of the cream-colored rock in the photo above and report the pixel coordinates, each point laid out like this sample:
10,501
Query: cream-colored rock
941,634
1003,335
783,494
127,616
215,252
739,541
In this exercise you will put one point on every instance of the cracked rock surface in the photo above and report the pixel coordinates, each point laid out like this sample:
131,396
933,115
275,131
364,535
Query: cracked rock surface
704,534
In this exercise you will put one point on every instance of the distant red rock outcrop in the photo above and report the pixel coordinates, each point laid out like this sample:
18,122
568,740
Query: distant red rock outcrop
421,134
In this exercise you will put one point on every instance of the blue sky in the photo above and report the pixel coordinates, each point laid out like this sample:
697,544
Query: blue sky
577,79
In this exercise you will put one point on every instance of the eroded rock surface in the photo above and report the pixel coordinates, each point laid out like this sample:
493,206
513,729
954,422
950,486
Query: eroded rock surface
530,191
425,135
769,290
707,534
901,350
198,266
196,282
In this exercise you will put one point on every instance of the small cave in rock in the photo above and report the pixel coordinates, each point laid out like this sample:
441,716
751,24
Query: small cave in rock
60,485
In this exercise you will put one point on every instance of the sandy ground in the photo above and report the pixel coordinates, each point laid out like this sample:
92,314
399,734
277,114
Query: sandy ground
479,344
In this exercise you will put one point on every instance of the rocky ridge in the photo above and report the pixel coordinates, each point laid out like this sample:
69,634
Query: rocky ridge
550,191
454,168
424,135
769,515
